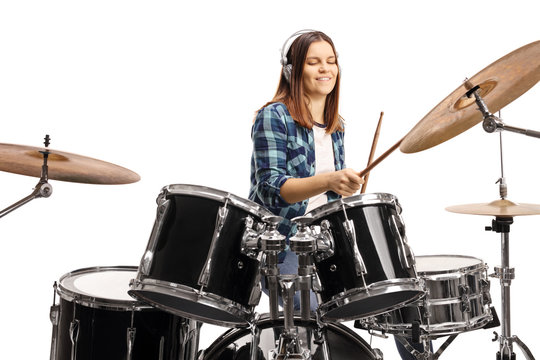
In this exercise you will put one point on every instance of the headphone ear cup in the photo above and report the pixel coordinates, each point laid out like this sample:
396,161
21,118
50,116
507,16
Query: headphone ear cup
287,72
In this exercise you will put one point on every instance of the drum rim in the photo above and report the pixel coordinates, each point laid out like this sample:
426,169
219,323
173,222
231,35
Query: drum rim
375,289
449,273
353,201
97,302
243,313
235,333
217,195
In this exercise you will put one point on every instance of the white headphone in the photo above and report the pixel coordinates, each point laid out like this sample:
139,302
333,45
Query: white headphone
287,68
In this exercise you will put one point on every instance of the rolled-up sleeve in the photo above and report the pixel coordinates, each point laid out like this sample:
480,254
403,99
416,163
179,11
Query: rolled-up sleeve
269,135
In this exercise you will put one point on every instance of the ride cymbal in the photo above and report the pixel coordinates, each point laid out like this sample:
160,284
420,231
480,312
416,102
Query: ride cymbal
499,84
63,166
499,208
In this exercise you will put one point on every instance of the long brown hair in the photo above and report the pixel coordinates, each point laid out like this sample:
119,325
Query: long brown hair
291,92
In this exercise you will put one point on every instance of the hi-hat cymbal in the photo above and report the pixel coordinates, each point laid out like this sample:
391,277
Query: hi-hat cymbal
64,166
500,208
499,84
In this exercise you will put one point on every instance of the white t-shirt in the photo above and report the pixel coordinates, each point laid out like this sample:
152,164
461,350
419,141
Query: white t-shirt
324,162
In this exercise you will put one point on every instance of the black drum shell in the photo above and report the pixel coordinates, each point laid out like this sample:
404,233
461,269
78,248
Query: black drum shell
103,333
184,244
343,343
380,244
194,265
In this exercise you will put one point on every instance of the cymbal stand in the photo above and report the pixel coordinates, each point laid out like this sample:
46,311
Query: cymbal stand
42,189
493,123
502,225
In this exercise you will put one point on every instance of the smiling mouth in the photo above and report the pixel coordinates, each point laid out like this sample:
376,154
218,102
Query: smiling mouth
323,78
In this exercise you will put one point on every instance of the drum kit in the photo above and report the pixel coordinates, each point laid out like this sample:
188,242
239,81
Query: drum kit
209,251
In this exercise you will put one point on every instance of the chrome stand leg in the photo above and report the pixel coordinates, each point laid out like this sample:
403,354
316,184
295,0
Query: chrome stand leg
506,274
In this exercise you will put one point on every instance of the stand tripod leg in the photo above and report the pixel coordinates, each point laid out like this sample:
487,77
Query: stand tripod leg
526,351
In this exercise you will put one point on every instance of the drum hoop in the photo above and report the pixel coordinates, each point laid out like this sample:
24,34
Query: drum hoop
379,288
209,299
451,274
217,195
353,201
94,301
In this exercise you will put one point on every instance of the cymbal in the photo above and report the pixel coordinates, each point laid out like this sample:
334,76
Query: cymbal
500,83
500,208
64,166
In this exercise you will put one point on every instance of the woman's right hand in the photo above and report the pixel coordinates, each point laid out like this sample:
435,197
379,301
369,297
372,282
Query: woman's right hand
344,182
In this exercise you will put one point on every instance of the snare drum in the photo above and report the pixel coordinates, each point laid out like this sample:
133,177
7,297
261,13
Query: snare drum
97,319
341,342
196,264
371,268
457,299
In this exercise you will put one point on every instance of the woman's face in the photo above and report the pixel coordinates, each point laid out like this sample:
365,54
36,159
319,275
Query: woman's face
320,70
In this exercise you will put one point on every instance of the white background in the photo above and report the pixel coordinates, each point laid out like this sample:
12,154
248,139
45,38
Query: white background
168,89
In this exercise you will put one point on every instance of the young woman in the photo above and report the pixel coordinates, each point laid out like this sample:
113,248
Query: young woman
298,160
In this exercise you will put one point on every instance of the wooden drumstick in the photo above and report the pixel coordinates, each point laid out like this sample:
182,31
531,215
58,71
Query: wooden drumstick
372,152
380,158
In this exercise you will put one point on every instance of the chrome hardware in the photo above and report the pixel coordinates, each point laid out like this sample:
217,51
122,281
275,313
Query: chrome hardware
485,286
255,295
350,231
272,242
161,212
250,238
271,239
221,216
505,274
74,337
325,242
303,242
130,342
405,255
333,267
54,316
464,291
146,262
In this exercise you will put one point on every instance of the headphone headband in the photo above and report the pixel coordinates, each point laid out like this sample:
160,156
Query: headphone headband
288,43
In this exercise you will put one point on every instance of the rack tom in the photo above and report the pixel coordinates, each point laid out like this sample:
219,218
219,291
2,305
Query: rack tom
197,263
370,267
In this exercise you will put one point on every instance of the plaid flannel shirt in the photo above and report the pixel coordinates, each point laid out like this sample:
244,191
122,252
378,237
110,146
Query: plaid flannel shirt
282,149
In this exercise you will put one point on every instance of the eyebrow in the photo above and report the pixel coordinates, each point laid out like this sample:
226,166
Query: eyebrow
317,57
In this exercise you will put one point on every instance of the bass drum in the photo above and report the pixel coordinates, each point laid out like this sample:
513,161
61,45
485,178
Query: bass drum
343,343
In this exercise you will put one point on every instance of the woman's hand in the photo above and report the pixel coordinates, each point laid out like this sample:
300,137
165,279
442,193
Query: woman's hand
344,182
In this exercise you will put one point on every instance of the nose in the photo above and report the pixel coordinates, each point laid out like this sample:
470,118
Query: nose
324,67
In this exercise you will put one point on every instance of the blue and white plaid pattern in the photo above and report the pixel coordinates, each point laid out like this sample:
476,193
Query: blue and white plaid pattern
283,149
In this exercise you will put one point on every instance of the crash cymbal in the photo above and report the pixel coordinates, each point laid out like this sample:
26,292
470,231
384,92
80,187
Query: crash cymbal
64,166
500,208
499,84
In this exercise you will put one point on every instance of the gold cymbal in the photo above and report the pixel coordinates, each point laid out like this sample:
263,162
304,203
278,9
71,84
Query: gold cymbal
500,208
64,166
499,84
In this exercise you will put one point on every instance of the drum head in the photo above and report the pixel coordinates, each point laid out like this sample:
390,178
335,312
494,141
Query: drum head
99,287
446,264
